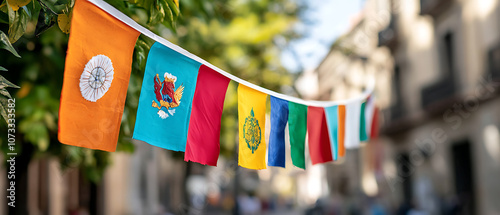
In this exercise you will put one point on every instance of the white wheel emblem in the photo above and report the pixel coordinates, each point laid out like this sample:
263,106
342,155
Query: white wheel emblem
96,78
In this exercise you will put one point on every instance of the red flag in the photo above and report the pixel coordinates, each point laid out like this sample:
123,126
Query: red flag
204,126
319,140
374,126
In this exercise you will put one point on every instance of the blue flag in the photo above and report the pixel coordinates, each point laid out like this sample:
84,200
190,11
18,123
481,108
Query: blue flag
166,98
279,118
332,122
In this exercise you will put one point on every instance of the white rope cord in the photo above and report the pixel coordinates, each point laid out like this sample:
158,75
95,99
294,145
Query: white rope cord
128,21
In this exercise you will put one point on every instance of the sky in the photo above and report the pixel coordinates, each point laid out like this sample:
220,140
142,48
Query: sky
324,21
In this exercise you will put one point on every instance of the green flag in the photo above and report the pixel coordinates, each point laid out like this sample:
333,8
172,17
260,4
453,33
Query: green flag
362,125
297,126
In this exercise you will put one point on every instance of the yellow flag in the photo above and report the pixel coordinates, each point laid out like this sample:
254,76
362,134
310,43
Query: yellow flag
251,117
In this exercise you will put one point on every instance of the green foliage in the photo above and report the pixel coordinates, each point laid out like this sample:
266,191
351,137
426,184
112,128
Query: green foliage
4,83
17,23
5,44
237,36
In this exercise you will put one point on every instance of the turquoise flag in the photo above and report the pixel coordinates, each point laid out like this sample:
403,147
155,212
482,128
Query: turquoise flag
332,122
166,98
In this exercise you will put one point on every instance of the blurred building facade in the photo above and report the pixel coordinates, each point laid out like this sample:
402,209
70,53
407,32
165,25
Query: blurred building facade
354,60
437,72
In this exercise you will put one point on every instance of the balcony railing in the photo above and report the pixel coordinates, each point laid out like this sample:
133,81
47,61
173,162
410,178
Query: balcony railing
494,63
389,36
437,93
433,7
396,111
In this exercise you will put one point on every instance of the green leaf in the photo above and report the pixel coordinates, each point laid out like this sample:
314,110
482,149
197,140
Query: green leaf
3,68
146,4
157,13
4,18
35,8
28,11
170,16
5,93
46,5
5,44
119,4
3,107
173,7
18,21
4,83
141,51
46,19
59,2
168,11
55,7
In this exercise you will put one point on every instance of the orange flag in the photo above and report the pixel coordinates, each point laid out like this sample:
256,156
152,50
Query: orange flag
96,76
341,130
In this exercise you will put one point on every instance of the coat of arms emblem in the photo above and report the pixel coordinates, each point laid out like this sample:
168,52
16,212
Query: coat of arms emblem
251,132
166,96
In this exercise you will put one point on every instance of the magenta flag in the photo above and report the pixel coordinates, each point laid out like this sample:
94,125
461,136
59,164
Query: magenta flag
203,141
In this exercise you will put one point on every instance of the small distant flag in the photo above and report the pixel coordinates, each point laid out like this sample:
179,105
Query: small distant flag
341,130
363,136
369,113
332,120
352,124
374,124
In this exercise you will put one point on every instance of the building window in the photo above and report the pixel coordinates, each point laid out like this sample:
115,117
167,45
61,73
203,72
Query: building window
448,59
494,62
397,110
435,96
463,176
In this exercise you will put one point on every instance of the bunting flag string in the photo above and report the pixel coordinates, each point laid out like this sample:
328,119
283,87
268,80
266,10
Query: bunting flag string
182,97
